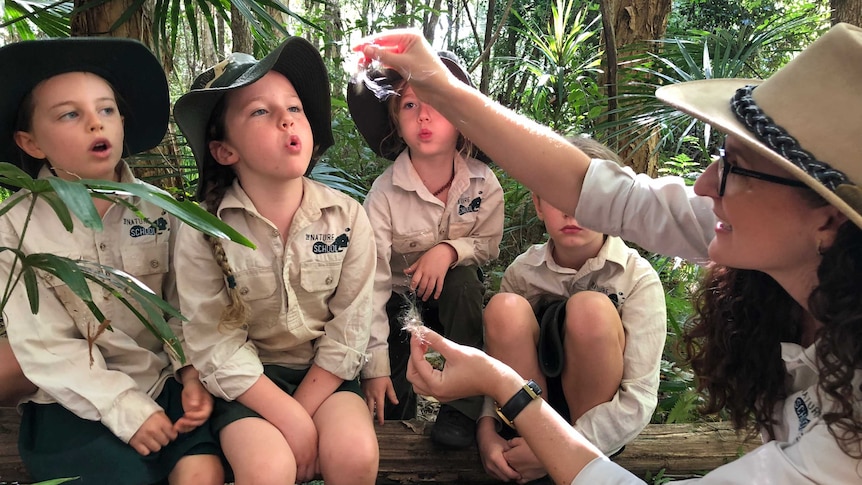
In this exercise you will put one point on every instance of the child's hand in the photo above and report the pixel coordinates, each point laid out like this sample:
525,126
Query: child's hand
521,458
156,432
197,401
429,271
376,391
492,447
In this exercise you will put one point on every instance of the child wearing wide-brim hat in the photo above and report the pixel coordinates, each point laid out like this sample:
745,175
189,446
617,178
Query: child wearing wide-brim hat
279,333
124,411
437,214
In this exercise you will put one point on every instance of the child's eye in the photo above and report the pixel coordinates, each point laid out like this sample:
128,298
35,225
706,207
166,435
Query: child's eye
71,115
295,109
408,105
110,110
259,112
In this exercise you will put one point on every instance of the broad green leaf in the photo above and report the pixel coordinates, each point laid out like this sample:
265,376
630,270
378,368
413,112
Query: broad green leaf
60,209
186,210
78,200
125,287
63,268
32,287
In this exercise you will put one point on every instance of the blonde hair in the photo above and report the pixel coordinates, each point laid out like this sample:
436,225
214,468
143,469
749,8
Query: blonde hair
216,183
593,148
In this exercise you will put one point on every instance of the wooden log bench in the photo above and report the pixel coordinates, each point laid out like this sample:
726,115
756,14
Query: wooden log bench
408,456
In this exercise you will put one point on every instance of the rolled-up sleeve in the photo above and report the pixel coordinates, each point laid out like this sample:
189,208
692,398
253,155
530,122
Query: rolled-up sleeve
227,362
378,349
341,350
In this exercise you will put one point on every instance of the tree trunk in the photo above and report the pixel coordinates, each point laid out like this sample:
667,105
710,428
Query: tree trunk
240,32
432,16
98,20
636,21
849,11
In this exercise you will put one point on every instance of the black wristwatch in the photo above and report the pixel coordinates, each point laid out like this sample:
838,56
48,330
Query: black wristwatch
518,402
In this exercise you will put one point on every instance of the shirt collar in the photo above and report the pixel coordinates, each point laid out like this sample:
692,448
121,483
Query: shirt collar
612,251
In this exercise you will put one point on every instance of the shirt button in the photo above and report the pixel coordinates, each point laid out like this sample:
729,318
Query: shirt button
154,264
244,326
243,290
413,244
328,280
275,233
103,246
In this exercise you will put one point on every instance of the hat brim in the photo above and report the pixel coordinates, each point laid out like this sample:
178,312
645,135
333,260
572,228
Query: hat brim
371,114
297,60
709,101
128,65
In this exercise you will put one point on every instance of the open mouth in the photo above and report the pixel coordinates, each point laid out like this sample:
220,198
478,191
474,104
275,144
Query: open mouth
100,147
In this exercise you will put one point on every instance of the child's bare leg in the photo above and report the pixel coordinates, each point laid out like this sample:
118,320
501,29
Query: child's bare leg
197,470
511,334
348,444
258,453
594,342
13,384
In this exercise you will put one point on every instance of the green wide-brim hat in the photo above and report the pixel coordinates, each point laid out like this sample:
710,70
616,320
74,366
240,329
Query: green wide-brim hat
296,59
128,65
367,101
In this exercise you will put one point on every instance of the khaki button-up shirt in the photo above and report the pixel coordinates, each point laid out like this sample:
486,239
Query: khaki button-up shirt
633,285
129,364
309,296
408,221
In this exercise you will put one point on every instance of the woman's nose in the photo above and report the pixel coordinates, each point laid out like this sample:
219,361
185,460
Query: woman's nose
707,183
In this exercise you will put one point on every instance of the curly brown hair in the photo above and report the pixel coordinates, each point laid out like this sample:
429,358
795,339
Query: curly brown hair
742,316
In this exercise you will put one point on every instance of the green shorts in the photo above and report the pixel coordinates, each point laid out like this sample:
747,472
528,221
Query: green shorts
226,412
54,443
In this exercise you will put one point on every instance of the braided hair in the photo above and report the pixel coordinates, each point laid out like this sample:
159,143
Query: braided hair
216,179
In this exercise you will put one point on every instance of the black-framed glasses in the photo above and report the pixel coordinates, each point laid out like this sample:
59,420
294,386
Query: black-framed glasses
725,168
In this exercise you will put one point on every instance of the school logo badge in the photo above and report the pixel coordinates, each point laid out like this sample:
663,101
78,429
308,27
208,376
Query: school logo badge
473,206
323,246
141,227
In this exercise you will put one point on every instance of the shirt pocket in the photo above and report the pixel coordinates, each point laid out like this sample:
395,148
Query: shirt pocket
319,276
147,259
416,242
257,287
461,229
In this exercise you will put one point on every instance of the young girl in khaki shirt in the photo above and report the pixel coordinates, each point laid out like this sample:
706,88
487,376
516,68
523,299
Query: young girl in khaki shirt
437,214
279,333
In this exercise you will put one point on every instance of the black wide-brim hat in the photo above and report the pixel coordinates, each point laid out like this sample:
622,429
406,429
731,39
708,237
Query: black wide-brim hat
128,65
368,101
296,59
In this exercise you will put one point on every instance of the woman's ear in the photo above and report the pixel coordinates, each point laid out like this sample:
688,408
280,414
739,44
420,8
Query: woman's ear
223,153
828,230
26,142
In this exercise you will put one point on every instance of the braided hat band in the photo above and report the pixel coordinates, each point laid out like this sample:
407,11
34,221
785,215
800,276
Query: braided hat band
783,143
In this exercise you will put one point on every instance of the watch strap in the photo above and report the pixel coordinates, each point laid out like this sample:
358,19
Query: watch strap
529,392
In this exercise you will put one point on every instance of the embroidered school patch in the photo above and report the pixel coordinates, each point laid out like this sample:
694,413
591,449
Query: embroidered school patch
322,245
142,227
472,207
